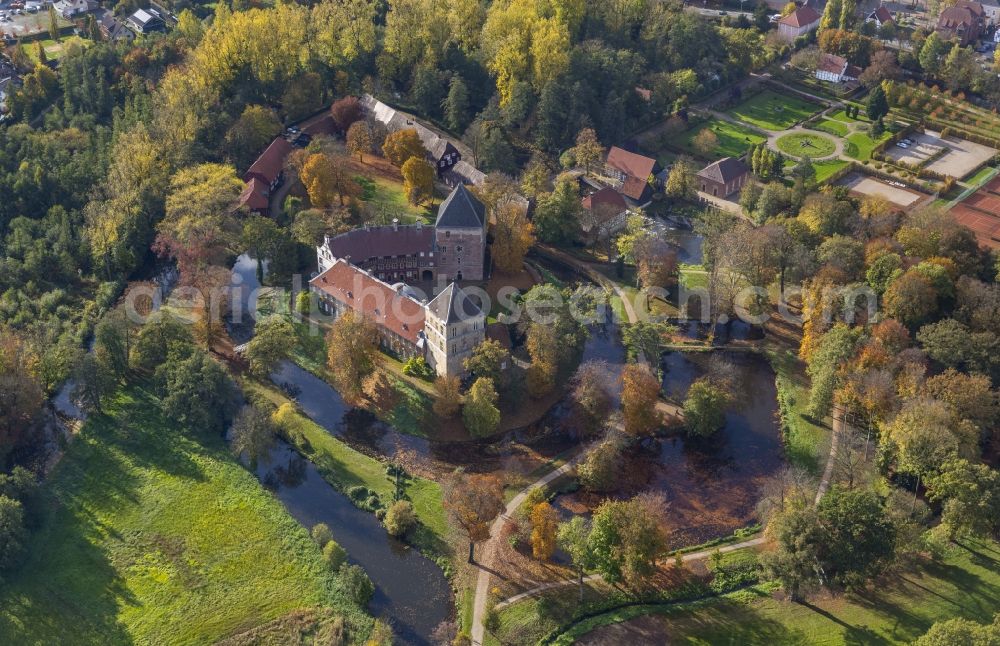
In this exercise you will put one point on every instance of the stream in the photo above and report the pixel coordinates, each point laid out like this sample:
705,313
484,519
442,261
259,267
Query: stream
411,593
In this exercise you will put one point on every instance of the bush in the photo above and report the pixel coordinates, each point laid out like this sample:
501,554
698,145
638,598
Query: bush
334,555
303,302
321,534
356,584
13,536
417,367
400,518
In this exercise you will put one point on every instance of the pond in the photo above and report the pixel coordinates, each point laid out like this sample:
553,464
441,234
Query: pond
523,449
712,486
410,590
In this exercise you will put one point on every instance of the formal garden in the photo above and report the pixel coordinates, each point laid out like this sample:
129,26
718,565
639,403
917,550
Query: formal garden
773,111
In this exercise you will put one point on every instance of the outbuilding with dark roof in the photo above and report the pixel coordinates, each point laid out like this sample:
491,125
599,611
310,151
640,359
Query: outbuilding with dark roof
723,177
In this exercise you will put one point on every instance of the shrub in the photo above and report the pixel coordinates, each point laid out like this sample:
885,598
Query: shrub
400,518
334,555
356,584
417,367
321,534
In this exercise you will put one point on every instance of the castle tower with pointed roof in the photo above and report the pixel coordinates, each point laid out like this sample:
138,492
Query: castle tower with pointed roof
453,326
460,236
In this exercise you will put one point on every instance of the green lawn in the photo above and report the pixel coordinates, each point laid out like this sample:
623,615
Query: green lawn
773,111
859,145
825,169
801,144
390,196
53,50
804,440
734,139
832,126
151,536
966,583
980,176
345,467
841,115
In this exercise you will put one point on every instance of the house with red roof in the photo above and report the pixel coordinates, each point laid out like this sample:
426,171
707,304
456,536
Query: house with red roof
798,23
836,69
964,22
881,16
604,213
632,175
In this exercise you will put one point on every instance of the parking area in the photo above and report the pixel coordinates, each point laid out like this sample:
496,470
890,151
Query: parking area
901,196
34,18
960,157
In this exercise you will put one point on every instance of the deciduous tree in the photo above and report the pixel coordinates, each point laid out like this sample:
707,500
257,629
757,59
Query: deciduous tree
544,525
472,502
480,412
705,408
448,396
401,145
627,538
252,435
513,235
640,392
352,353
418,180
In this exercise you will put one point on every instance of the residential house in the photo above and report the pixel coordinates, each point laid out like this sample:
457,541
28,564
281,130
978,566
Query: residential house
836,69
798,23
270,166
442,153
633,175
964,22
145,21
255,197
723,178
881,16
112,29
71,8
605,213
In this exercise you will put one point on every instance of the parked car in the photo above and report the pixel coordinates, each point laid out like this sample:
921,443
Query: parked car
903,144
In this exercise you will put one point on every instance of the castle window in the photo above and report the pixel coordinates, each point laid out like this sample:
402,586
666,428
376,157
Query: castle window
458,248
447,234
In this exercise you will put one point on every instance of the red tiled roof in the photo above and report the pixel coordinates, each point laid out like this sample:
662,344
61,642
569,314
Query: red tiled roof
724,171
975,8
254,195
631,163
954,17
883,15
831,63
801,17
634,187
374,299
607,196
271,162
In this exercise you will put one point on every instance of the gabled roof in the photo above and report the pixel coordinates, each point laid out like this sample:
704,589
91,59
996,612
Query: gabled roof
954,17
376,300
396,120
461,210
724,171
607,196
975,8
831,63
271,162
633,164
254,195
801,17
453,305
881,14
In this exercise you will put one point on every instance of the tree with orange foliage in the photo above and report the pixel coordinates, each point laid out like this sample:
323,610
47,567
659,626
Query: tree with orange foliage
544,526
448,396
513,235
325,177
352,354
640,390
472,502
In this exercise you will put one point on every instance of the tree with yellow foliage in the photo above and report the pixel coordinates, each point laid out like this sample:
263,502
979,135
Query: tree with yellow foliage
513,235
544,527
418,180
352,354
401,145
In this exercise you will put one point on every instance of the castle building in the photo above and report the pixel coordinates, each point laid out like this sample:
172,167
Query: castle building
453,249
356,268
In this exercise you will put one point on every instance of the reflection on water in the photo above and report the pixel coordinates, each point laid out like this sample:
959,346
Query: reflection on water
712,486
410,590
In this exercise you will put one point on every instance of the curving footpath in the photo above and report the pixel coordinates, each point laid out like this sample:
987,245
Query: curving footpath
839,427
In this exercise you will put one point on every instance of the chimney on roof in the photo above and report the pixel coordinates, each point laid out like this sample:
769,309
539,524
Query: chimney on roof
395,224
